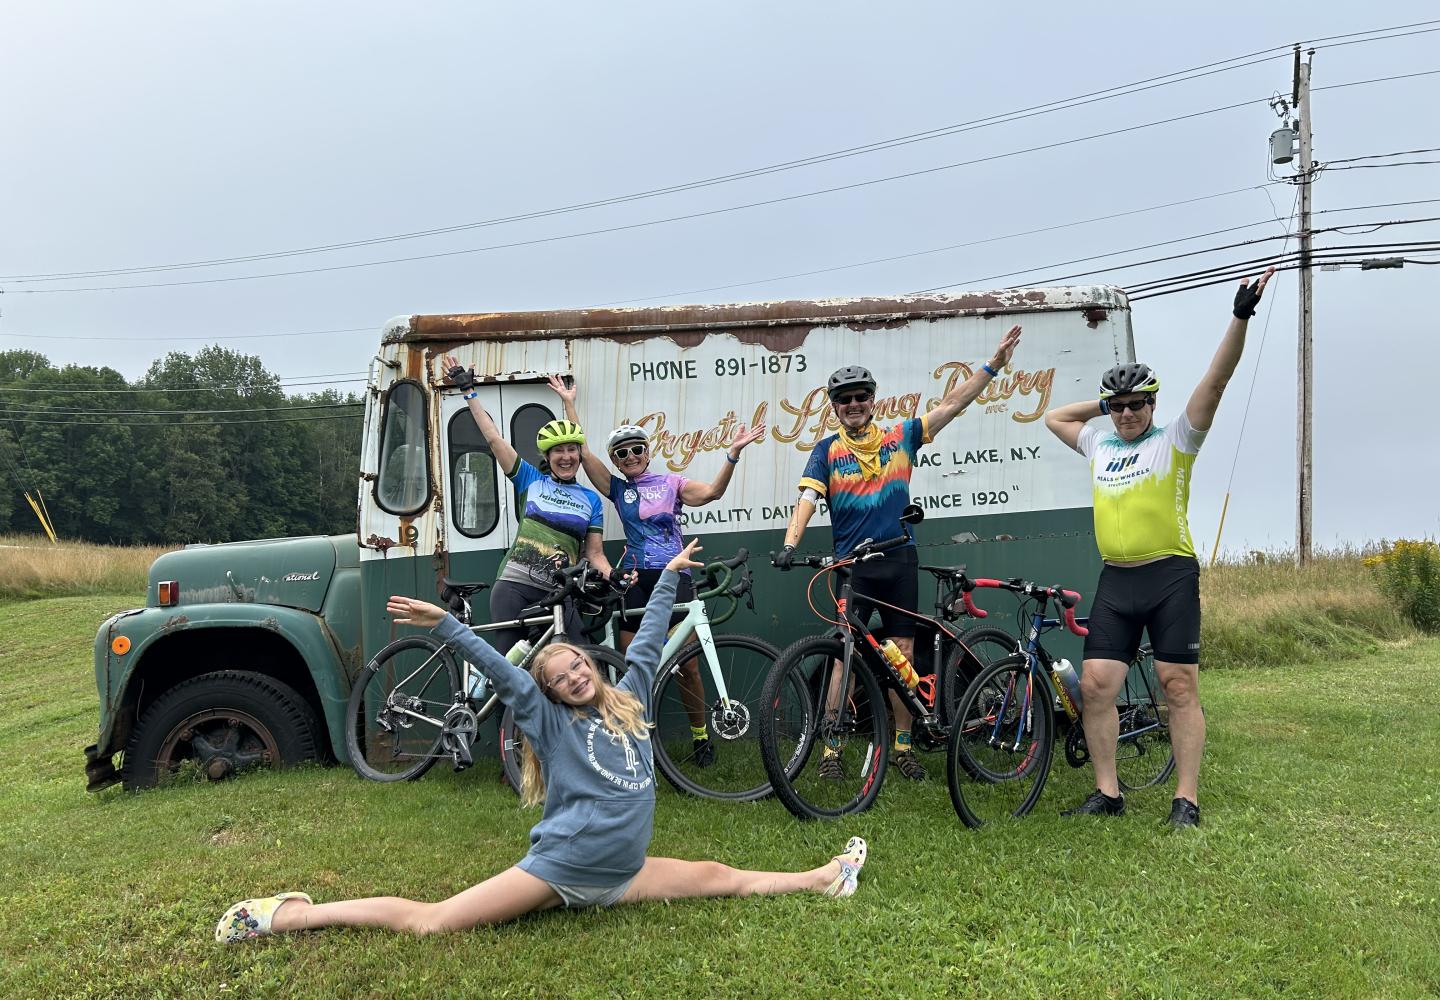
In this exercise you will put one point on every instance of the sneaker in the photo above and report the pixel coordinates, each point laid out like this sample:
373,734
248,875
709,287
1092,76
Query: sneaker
704,754
1184,813
1099,804
831,766
250,918
909,765
850,864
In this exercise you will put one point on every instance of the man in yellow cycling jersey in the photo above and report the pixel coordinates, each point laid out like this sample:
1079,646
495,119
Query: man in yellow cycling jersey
1140,476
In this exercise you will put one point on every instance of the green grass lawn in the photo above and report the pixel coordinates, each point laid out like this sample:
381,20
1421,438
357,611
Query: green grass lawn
1317,872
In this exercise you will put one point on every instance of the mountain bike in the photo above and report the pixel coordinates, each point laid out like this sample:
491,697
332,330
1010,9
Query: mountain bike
1007,722
827,691
419,700
725,686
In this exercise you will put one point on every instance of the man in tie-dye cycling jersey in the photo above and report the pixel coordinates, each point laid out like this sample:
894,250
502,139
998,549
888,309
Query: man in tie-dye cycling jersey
863,472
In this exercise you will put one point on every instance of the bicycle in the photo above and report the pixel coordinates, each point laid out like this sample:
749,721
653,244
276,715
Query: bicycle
828,689
418,701
726,686
1001,745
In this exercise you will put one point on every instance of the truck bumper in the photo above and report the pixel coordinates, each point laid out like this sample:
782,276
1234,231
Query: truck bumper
99,769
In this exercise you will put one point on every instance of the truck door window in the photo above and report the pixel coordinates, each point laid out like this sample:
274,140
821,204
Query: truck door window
403,484
474,499
524,425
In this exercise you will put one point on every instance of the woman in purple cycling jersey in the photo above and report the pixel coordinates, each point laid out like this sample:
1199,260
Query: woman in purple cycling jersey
649,505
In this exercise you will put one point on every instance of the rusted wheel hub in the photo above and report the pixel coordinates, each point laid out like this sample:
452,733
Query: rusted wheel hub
221,741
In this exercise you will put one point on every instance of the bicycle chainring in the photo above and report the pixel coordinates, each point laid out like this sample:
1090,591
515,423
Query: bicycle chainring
1077,754
459,730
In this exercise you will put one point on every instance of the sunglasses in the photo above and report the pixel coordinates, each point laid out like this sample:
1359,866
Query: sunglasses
1134,405
623,452
853,397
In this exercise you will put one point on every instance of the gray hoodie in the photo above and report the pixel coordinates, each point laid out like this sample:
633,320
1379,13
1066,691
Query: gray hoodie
599,785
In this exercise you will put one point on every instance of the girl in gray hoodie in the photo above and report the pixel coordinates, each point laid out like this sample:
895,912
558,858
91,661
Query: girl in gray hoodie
592,766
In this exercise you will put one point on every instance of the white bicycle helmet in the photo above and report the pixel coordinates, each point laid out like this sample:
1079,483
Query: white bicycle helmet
625,433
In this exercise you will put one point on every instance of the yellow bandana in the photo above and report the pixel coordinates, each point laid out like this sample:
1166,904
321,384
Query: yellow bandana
866,448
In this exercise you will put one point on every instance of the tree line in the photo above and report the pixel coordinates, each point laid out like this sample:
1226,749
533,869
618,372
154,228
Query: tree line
203,448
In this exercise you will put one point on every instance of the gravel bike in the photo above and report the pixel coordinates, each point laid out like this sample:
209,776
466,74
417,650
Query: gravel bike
827,691
419,700
1010,717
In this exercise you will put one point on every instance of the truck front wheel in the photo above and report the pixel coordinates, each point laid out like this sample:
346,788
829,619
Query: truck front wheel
225,722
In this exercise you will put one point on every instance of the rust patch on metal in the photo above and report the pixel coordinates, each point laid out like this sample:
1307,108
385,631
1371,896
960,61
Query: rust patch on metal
382,545
368,477
174,622
1094,316
766,323
270,623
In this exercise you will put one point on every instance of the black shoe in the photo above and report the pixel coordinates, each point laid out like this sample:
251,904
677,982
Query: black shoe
1184,813
704,754
909,765
1099,804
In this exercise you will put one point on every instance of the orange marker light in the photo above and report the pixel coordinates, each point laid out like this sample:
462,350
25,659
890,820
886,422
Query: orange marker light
120,645
167,593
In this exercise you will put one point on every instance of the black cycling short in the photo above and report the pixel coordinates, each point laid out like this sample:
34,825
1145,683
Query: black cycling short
639,595
507,600
1162,597
892,579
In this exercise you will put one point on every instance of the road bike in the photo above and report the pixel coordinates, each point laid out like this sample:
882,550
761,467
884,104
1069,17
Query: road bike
825,695
1019,705
419,700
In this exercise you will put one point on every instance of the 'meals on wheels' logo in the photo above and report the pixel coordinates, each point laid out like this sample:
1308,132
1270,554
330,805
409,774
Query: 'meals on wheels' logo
1121,464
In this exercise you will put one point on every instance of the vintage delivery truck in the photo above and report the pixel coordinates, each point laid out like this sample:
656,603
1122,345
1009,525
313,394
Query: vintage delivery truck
244,652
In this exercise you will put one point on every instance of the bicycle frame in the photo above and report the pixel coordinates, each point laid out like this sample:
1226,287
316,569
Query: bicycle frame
697,624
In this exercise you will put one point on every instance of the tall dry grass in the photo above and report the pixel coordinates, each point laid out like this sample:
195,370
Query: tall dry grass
1266,611
32,567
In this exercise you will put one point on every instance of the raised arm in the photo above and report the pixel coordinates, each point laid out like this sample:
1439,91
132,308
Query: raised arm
643,653
964,394
464,379
515,687
1205,400
697,494
595,468
1066,422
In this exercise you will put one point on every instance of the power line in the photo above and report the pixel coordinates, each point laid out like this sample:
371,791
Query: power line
1064,104
702,214
233,336
187,423
1287,262
177,413
284,384
1384,156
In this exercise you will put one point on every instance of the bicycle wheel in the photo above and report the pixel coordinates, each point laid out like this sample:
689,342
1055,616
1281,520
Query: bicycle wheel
727,764
1000,745
512,740
397,708
1142,755
806,714
977,649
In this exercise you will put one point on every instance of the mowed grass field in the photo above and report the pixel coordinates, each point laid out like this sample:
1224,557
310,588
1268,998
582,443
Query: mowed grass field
1317,872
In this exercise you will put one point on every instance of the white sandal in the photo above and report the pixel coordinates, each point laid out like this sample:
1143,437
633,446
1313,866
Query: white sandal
851,862
251,918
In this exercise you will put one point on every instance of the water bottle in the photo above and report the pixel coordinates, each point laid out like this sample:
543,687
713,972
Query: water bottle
1067,686
902,666
519,651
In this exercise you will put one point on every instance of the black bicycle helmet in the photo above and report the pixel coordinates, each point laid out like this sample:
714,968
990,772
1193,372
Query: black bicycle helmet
1133,377
850,377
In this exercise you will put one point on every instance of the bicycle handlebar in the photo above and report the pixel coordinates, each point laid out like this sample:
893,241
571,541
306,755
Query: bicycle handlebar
1067,599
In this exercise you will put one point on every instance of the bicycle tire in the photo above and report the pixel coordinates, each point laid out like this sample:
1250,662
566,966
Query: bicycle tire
735,771
978,647
1001,744
511,739
412,669
1144,740
794,721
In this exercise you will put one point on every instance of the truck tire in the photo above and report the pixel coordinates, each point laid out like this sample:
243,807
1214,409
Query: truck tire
226,722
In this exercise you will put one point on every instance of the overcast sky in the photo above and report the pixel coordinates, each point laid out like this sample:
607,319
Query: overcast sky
140,133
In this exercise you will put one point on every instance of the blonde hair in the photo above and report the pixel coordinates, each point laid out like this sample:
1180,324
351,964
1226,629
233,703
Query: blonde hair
620,712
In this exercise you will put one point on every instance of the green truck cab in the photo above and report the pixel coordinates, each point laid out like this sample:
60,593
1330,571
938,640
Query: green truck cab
244,652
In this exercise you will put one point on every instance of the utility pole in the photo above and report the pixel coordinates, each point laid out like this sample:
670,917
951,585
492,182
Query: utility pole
1305,399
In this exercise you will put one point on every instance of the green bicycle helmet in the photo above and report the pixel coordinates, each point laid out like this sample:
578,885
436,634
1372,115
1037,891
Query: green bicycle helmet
559,432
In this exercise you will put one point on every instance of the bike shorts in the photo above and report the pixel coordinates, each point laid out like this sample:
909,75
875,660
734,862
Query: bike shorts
892,579
578,897
639,595
508,599
1162,598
